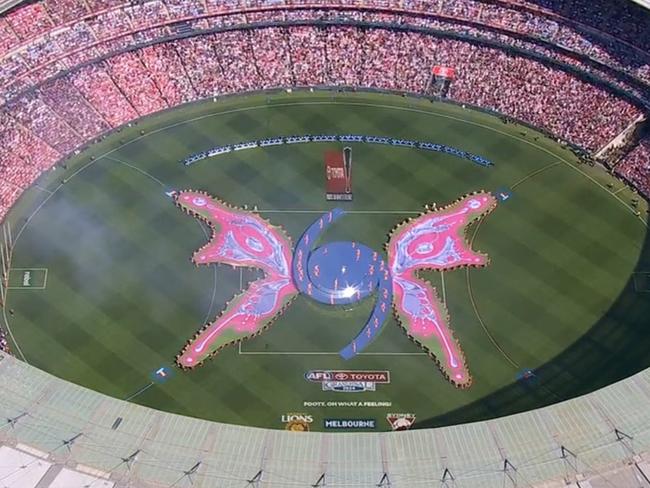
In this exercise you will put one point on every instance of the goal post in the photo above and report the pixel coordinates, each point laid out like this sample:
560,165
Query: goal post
6,252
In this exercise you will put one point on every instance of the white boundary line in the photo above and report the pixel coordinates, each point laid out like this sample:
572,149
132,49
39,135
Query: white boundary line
378,212
38,187
444,290
139,392
139,170
215,280
29,287
322,353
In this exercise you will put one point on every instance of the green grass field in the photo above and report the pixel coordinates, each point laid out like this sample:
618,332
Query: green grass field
119,297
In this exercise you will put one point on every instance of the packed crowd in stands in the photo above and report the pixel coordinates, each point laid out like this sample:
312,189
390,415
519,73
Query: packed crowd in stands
635,168
40,125
36,36
542,17
625,20
136,83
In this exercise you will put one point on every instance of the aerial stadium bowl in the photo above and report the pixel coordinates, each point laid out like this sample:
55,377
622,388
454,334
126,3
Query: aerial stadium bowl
185,294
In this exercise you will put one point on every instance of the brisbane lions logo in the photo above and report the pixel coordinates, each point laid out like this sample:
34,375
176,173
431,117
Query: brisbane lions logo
338,273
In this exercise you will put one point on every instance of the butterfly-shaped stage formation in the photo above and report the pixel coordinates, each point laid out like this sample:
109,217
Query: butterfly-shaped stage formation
337,273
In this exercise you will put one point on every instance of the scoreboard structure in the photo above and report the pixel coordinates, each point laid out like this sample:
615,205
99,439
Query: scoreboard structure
338,174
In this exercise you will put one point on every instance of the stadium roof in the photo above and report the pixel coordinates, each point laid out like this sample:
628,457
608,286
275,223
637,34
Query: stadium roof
7,4
600,440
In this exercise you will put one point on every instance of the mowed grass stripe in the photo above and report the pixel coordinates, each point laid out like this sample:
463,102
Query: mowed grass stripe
483,358
94,279
566,193
556,226
538,303
518,252
81,355
142,258
591,302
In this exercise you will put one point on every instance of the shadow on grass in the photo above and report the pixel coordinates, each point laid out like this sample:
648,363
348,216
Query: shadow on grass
614,348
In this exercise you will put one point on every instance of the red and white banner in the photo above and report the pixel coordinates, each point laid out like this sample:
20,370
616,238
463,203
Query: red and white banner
444,71
338,174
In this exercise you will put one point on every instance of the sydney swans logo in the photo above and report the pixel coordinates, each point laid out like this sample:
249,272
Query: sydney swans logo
338,273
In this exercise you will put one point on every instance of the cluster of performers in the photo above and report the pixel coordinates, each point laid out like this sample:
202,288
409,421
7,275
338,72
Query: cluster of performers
298,139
